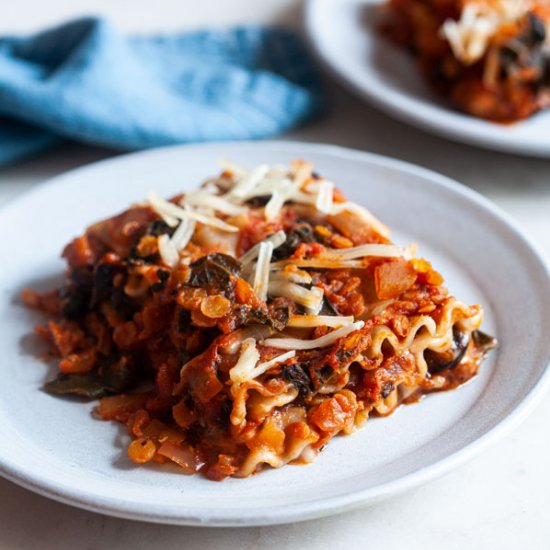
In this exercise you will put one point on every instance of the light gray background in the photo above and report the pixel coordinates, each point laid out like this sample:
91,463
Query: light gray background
499,500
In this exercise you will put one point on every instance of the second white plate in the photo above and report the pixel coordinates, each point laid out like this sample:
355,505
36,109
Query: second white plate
55,447
346,39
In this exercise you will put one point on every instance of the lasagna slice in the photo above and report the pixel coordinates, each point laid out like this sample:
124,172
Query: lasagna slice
245,324
490,57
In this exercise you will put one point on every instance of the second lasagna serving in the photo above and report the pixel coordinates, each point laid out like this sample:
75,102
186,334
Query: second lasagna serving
247,323
490,57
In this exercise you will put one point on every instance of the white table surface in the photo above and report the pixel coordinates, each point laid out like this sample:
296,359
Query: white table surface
499,500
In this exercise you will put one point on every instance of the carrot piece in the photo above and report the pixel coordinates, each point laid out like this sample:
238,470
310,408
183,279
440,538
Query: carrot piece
393,278
335,413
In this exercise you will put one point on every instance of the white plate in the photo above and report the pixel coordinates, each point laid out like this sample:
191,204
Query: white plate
54,446
345,38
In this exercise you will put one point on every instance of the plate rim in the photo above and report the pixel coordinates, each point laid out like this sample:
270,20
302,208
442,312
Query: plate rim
497,142
38,483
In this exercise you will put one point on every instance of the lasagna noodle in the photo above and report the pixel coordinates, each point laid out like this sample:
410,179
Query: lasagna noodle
424,334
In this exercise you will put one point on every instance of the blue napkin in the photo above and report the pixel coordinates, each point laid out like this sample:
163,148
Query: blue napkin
86,81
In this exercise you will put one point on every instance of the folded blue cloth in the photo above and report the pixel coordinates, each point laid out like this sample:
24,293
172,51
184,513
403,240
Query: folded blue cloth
88,82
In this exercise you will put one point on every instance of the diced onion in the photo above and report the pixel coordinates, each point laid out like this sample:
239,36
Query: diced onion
367,216
376,308
322,342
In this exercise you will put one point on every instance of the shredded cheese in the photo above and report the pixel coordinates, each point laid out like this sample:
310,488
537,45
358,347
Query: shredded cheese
164,207
168,252
249,181
274,205
221,204
469,37
302,172
277,239
157,204
214,222
319,263
184,233
324,196
322,342
261,275
281,186
316,307
168,209
365,250
310,321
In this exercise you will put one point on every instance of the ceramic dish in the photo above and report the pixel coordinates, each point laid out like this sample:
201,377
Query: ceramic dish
344,35
55,447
